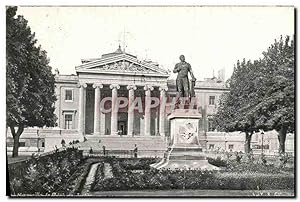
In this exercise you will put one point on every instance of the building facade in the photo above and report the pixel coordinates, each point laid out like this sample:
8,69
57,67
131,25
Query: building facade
111,80
120,74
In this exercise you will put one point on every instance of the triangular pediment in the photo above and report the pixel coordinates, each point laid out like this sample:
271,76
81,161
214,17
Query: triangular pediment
122,64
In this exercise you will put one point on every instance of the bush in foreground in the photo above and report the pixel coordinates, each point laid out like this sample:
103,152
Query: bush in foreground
126,179
54,174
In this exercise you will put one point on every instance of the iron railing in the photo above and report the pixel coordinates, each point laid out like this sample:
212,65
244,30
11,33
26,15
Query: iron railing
126,153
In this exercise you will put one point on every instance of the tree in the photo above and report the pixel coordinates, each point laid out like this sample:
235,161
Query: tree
233,113
261,95
30,94
278,100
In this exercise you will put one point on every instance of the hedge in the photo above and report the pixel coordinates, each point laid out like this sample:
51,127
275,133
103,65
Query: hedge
54,174
126,179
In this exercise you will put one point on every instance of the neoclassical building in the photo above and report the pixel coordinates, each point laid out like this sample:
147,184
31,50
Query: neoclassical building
120,74
116,75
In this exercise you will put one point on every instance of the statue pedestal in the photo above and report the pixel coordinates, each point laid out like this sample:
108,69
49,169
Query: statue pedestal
185,151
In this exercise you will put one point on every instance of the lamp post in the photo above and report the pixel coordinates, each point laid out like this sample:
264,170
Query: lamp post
262,142
38,141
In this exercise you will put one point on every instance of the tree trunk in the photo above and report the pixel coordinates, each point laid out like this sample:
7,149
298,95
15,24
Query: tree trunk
248,141
281,138
16,136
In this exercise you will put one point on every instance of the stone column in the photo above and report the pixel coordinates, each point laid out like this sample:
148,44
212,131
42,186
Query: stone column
156,121
102,123
97,112
81,108
162,110
147,118
114,112
131,89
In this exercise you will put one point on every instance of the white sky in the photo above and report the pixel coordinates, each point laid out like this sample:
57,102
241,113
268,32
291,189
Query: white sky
209,37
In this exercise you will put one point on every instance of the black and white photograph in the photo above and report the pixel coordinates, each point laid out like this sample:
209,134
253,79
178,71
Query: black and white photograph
173,101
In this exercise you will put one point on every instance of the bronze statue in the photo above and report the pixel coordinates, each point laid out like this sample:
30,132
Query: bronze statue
182,81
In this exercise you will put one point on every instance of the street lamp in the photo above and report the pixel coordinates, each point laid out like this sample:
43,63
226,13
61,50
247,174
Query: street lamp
262,142
38,141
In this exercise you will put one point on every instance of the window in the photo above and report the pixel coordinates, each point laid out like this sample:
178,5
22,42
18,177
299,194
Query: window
10,144
230,146
21,144
211,146
68,121
43,144
212,100
69,95
210,125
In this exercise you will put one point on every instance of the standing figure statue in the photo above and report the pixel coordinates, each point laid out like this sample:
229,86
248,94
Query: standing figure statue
182,81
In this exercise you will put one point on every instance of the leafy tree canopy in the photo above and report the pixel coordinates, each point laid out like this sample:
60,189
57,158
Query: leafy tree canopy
30,88
261,93
30,82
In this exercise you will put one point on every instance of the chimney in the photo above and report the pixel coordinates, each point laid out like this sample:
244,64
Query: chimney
221,74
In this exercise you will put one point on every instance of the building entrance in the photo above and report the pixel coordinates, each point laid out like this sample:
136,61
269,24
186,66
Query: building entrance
122,128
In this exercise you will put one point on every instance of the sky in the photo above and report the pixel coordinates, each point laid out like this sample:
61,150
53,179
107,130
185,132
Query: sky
211,38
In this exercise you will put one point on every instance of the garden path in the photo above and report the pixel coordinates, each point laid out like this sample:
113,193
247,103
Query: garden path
90,179
107,171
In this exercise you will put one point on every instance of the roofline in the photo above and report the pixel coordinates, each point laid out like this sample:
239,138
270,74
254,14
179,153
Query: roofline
119,57
124,73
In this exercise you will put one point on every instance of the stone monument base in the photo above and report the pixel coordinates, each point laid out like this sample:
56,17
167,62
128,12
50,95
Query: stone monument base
185,152
185,159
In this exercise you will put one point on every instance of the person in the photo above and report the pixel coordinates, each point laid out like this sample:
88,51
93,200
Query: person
182,82
104,150
91,151
135,151
63,143
56,149
120,133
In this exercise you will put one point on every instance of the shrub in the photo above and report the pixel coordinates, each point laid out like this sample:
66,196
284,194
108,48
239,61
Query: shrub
137,164
252,167
252,181
217,162
193,179
46,175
